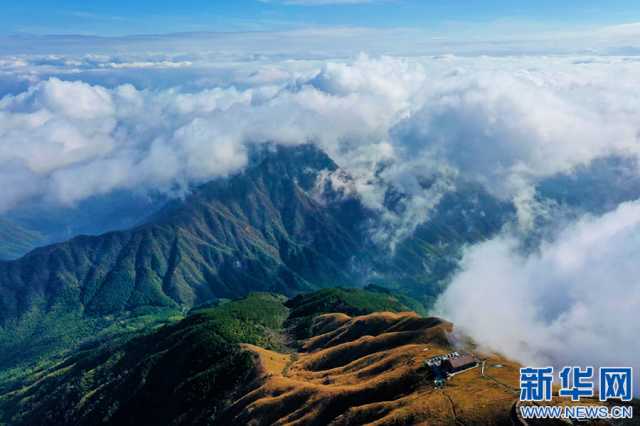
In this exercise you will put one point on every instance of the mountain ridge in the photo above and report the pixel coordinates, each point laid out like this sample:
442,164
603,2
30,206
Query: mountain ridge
232,364
275,227
210,224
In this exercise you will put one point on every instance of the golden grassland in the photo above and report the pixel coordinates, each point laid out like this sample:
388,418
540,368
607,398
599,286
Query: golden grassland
371,370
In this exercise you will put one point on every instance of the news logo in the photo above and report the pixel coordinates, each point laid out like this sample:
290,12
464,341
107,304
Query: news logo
616,383
576,383
536,384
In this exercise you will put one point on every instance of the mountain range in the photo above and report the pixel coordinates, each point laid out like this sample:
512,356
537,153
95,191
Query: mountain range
269,228
264,297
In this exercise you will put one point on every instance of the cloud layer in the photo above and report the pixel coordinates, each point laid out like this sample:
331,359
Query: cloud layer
503,122
573,303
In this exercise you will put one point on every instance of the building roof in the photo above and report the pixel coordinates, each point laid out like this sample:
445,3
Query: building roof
461,361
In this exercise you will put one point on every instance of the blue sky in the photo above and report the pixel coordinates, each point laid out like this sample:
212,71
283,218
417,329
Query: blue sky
121,17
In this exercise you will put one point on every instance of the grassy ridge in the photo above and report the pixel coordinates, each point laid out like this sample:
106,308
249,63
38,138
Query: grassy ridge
350,301
183,373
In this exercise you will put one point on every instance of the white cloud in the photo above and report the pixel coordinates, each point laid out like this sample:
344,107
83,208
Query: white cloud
573,303
506,122
74,140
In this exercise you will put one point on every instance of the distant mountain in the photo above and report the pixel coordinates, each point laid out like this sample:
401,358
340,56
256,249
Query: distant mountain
271,228
423,263
118,210
260,230
595,188
16,241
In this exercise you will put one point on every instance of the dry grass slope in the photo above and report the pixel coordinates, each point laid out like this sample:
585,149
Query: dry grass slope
370,370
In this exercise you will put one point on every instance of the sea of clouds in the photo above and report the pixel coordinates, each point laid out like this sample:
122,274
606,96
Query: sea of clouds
502,121
74,126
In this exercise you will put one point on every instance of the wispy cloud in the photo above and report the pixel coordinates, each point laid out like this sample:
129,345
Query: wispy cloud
95,16
298,41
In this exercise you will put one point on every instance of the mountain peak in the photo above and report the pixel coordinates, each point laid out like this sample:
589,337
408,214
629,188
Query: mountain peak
264,229
302,163
260,230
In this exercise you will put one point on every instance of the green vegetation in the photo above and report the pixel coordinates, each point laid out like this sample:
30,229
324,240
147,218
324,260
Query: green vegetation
44,339
258,231
423,264
181,374
350,301
256,319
